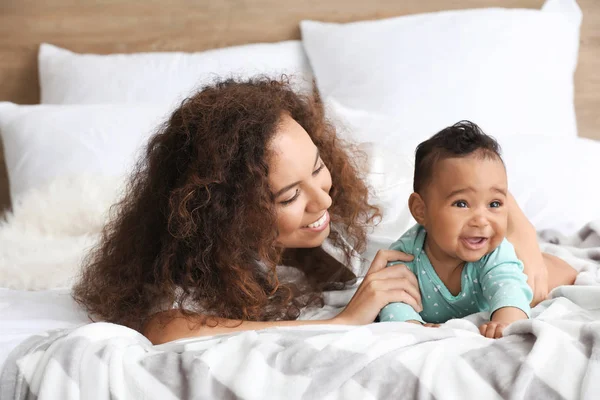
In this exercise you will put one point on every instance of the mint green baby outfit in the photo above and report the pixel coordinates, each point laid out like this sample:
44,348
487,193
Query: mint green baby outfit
495,281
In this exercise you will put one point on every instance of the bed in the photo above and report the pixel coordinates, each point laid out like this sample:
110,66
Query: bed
83,85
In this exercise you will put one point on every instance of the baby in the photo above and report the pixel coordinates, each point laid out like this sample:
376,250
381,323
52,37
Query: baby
462,260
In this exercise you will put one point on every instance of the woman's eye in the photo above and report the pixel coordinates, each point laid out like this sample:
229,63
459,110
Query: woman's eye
316,171
495,204
460,204
290,200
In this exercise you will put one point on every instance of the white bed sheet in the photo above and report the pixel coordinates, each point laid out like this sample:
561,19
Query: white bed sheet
26,313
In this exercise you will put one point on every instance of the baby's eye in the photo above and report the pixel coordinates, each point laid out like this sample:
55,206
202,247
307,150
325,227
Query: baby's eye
495,204
460,204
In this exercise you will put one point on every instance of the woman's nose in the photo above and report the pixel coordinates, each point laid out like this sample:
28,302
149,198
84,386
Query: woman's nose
319,200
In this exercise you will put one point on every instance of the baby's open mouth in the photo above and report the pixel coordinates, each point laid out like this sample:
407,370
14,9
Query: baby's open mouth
474,242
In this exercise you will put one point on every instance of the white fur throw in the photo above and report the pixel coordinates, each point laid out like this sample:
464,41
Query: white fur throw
50,229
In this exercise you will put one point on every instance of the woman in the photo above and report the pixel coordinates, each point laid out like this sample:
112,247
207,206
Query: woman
243,177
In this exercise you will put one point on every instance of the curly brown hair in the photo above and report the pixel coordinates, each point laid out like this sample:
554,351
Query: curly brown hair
197,222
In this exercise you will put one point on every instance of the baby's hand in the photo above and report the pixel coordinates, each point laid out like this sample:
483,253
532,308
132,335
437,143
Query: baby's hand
428,324
492,329
501,318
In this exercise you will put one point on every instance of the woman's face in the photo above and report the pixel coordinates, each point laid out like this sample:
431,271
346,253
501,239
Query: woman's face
301,183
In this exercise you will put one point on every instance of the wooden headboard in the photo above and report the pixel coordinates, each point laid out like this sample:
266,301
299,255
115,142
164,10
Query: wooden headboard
126,26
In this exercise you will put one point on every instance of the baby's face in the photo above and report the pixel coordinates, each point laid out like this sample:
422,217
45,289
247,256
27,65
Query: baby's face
465,207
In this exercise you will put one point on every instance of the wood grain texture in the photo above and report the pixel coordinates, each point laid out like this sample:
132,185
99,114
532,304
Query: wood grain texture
126,26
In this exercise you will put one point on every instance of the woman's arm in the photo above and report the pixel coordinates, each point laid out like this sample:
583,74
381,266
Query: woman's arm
522,235
380,287
176,326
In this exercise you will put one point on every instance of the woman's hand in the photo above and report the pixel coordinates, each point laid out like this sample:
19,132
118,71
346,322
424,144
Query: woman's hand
538,282
380,287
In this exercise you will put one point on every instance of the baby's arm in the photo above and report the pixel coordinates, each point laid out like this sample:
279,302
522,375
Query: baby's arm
505,288
399,312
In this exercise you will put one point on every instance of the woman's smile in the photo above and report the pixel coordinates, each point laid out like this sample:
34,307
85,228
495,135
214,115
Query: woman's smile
320,224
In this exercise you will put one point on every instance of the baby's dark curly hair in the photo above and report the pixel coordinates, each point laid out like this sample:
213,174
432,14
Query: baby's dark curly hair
197,224
459,140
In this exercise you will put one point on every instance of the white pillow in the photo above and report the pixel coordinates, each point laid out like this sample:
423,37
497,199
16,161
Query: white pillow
555,180
509,70
166,77
43,142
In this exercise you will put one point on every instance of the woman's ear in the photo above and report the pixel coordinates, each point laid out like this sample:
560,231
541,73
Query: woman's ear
416,205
